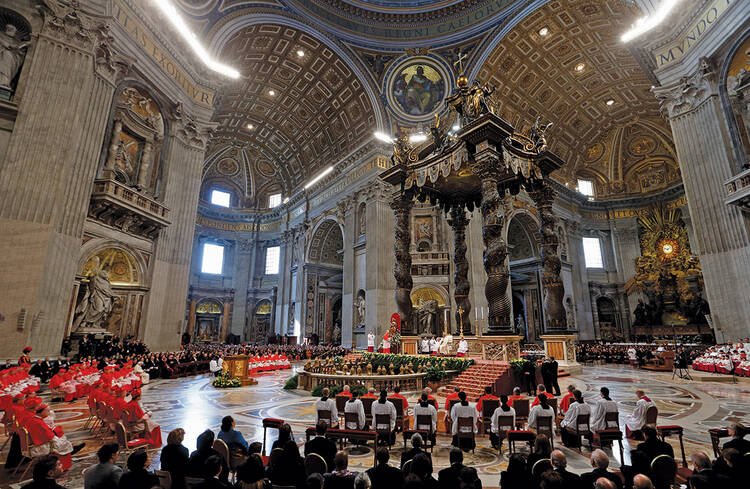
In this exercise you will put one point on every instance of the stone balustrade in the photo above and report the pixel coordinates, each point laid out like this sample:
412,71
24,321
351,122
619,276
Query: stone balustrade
738,190
127,209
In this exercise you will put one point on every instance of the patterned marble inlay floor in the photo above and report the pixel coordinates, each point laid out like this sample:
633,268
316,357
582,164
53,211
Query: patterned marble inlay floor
193,404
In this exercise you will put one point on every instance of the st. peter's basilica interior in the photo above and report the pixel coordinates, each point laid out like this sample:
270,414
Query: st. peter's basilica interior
508,180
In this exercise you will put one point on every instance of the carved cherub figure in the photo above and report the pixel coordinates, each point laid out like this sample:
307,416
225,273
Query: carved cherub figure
538,134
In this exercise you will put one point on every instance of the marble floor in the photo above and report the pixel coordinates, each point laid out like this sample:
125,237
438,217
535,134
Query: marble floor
193,404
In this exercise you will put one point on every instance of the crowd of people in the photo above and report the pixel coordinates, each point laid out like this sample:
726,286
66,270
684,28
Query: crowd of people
625,353
732,358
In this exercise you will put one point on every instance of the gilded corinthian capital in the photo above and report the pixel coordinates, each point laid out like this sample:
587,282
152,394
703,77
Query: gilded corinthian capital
689,93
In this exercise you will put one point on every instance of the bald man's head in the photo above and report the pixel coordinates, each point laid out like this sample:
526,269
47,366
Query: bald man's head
604,483
641,481
701,461
558,459
599,459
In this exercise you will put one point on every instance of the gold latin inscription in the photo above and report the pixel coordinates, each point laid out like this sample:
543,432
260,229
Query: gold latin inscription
139,32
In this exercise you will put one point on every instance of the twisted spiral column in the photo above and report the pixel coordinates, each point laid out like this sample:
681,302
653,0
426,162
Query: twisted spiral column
401,206
458,222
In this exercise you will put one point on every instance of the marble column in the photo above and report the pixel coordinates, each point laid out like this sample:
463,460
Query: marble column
458,222
191,319
165,307
242,273
402,268
46,176
553,291
701,139
348,283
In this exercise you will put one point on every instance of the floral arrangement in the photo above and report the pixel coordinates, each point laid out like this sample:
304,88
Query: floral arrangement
435,374
224,381
445,363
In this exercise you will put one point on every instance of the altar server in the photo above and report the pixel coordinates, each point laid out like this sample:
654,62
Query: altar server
568,424
637,420
326,404
384,406
463,409
603,406
371,341
354,405
463,347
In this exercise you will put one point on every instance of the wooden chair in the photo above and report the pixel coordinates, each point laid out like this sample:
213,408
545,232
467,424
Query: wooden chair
611,418
540,466
671,430
521,407
26,444
651,414
325,415
126,444
519,435
351,421
367,405
544,427
383,427
583,420
465,430
341,404
504,425
423,423
272,423
663,471
607,437
398,403
314,463
165,479
448,419
488,409
716,435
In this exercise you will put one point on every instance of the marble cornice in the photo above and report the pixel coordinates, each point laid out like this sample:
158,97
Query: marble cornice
689,92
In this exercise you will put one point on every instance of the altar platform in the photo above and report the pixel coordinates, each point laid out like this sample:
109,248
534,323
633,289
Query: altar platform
497,347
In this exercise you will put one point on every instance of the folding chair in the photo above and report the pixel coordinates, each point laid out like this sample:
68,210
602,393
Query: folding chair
126,444
651,414
26,444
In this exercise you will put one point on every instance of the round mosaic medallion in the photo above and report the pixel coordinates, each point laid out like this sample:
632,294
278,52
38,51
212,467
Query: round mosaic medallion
416,88
227,167
265,168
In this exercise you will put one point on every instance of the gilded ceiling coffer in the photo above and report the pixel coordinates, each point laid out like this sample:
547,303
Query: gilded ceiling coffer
474,167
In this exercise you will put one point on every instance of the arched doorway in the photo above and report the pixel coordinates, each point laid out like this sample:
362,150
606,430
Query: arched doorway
261,323
208,315
324,282
525,267
607,314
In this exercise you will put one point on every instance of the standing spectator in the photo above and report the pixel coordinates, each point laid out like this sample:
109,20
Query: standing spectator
46,470
138,475
105,474
383,475
174,458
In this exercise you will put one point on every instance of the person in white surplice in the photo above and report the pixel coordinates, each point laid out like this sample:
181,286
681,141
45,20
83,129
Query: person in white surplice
354,405
463,409
384,406
637,420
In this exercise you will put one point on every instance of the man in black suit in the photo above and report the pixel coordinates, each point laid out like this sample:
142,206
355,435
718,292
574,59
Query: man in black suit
737,432
213,466
383,475
448,478
528,369
416,449
559,464
322,445
653,446
600,462
703,475
549,375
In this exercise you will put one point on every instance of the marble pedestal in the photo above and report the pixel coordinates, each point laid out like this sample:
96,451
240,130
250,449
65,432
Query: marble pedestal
563,348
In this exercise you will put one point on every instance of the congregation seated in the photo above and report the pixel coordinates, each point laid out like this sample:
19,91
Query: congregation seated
737,432
229,435
46,470
384,475
251,473
566,399
516,475
204,450
541,390
212,469
498,429
652,447
541,450
463,409
174,458
559,465
449,477
704,476
422,410
340,477
421,468
321,445
285,435
516,396
416,449
600,462
289,469
732,358
138,476
487,395
541,410
599,415
106,474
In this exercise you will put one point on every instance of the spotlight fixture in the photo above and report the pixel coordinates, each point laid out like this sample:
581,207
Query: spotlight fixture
250,126
580,67
171,13
419,137
544,31
300,53
271,93
610,101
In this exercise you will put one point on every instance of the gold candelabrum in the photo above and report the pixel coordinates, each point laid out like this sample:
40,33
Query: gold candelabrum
461,319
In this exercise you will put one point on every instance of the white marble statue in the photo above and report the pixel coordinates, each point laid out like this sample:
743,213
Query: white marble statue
361,309
12,52
96,304
446,345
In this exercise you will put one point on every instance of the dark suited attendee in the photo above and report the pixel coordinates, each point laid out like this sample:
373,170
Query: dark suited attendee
416,449
516,474
105,474
174,458
730,464
653,446
340,477
212,465
421,466
290,469
737,432
551,480
138,476
549,375
204,449
314,481
250,472
448,477
703,474
559,465
469,479
322,445
528,369
600,462
383,475
44,473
